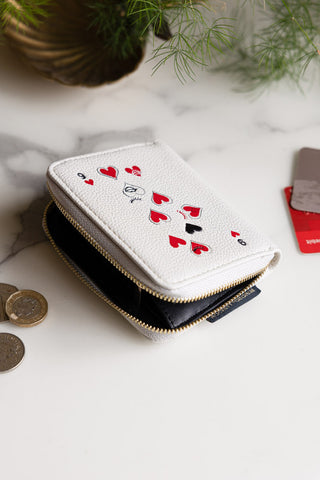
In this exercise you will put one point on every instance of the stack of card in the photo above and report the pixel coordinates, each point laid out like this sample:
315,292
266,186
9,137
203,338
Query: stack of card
304,200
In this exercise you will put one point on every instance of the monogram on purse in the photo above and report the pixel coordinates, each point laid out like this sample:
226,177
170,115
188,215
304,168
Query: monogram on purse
142,230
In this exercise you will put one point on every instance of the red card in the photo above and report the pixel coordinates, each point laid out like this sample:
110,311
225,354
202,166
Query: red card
306,225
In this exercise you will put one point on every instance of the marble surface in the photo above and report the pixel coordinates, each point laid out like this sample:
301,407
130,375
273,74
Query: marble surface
238,399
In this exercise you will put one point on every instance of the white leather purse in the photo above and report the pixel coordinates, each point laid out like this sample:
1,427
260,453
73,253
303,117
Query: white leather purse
145,232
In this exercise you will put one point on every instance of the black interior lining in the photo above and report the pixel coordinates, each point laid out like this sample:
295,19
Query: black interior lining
121,290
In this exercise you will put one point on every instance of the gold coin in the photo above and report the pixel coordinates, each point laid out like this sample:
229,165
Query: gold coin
5,291
26,308
11,351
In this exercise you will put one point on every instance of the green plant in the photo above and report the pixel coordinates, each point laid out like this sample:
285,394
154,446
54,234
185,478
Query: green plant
194,33
31,11
284,45
283,39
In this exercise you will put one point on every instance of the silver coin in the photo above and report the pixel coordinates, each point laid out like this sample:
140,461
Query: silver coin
5,291
11,351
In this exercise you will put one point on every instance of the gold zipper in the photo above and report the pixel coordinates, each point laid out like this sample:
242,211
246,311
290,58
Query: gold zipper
128,315
127,274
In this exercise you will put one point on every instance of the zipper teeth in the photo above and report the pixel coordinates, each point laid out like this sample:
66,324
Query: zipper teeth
128,315
141,285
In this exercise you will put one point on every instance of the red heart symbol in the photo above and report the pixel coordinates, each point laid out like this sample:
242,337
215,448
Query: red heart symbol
197,248
134,171
89,182
155,217
157,198
109,172
235,234
193,211
175,241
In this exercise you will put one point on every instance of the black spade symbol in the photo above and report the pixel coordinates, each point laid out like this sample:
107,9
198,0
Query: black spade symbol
192,228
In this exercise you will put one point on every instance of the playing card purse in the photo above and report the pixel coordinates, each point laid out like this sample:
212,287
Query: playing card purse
148,236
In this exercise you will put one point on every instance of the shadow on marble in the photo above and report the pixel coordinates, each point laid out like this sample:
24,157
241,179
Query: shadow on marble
18,77
30,220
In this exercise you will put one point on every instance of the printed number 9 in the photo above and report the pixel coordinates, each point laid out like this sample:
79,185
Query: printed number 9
81,175
242,242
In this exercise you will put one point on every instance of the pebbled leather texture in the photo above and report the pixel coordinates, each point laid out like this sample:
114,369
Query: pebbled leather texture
151,229
119,289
